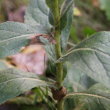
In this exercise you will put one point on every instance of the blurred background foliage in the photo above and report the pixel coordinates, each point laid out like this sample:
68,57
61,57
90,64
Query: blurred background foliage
90,16
10,6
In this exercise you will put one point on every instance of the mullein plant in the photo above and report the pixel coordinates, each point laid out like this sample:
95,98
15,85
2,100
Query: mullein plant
80,73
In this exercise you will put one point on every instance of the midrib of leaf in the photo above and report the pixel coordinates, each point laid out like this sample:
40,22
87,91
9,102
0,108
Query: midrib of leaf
64,10
16,37
86,94
83,49
10,31
19,32
23,79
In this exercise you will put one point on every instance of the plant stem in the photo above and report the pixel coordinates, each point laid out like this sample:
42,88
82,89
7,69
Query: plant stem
60,105
59,65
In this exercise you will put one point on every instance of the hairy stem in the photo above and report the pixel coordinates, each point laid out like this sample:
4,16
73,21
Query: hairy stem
59,65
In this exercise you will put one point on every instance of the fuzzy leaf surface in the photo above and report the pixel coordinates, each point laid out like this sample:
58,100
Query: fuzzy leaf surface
14,35
14,82
92,103
95,98
92,57
66,21
38,14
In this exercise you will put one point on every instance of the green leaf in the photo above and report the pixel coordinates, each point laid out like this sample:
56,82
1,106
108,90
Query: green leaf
95,98
90,101
13,82
51,5
50,49
70,95
38,13
51,18
67,4
66,21
98,104
92,57
14,35
77,82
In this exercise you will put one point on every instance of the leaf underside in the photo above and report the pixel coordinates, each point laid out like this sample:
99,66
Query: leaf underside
38,14
14,35
92,58
66,21
14,82
95,98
